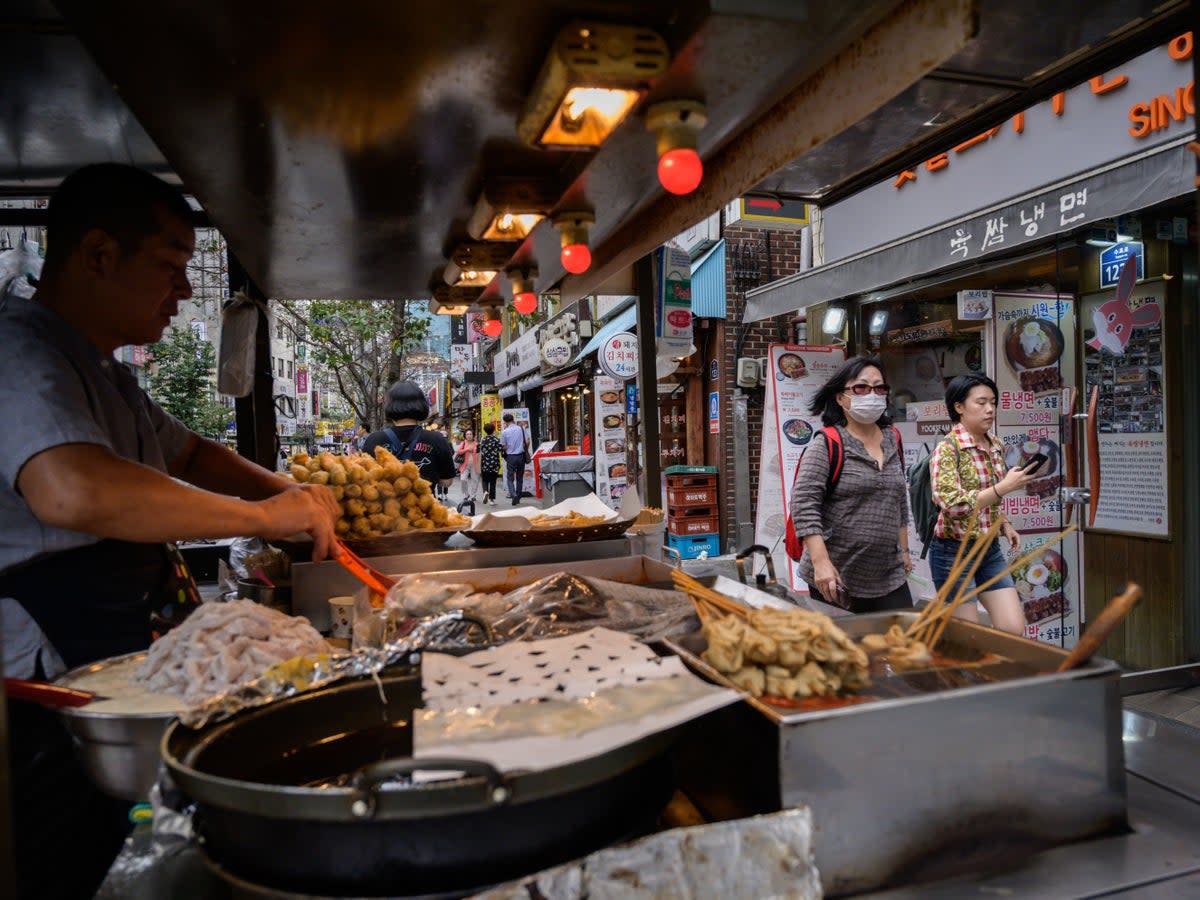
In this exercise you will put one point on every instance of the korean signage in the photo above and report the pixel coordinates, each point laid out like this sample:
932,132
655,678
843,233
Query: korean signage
619,356
795,374
458,330
517,359
1035,362
460,360
714,412
1112,260
974,305
301,380
610,439
673,294
490,407
474,327
1123,355
559,337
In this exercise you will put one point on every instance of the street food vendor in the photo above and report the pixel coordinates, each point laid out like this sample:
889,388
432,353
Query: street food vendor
97,478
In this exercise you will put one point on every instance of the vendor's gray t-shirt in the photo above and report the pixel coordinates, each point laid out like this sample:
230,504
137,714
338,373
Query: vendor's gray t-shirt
58,389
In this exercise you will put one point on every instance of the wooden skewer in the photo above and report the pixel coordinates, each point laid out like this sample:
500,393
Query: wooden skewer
1032,554
698,591
935,612
981,548
934,608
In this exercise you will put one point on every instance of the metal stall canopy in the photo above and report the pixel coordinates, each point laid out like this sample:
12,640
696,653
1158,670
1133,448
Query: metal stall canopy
1145,180
342,150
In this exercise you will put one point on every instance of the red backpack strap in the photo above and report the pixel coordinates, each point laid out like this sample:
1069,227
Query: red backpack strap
899,446
837,456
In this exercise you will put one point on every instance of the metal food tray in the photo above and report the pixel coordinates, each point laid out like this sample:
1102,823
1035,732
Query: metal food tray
910,789
530,537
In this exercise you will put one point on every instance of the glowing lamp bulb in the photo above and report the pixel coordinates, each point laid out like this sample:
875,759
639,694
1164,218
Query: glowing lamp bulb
680,170
525,302
576,258
493,327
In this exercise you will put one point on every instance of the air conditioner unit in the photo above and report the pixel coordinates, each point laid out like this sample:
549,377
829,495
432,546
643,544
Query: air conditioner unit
747,372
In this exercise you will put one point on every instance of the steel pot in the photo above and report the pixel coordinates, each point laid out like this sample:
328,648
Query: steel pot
277,597
260,823
119,752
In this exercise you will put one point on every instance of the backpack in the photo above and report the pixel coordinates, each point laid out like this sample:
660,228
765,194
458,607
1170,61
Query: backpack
837,456
920,495
402,452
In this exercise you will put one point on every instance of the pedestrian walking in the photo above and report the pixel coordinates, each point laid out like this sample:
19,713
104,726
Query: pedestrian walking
516,455
489,462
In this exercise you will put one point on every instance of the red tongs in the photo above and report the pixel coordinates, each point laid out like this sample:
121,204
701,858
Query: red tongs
372,578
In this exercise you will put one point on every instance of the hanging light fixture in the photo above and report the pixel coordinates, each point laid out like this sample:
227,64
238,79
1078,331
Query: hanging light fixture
576,257
492,324
453,301
594,75
525,299
509,208
476,263
676,124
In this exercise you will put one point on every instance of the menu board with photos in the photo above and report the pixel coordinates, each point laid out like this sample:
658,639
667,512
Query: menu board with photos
1035,363
795,374
610,454
1123,355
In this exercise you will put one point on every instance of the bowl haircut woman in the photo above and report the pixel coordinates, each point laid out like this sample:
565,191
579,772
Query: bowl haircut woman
968,475
855,533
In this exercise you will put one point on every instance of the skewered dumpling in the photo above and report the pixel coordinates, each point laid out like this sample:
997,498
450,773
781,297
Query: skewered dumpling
724,652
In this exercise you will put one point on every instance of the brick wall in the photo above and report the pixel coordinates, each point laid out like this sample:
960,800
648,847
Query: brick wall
765,256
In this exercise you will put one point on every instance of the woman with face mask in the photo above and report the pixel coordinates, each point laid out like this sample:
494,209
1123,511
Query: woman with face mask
855,531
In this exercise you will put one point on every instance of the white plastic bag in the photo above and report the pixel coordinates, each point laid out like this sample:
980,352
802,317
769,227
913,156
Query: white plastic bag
20,268
239,327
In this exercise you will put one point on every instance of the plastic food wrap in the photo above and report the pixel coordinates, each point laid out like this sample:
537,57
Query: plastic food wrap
566,604
304,673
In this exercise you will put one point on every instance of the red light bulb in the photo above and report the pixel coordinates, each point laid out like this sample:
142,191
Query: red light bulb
525,302
576,258
680,170
493,327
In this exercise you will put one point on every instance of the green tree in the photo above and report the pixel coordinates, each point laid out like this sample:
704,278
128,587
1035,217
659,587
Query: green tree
366,344
181,382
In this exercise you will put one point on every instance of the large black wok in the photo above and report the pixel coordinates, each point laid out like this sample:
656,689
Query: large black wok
261,819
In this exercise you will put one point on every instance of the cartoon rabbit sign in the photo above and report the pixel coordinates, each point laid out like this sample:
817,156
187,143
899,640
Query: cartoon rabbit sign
1114,321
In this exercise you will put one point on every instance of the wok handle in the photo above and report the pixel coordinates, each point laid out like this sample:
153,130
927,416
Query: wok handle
1118,608
368,779
47,694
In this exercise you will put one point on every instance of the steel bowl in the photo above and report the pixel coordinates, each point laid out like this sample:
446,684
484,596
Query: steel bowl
278,598
119,752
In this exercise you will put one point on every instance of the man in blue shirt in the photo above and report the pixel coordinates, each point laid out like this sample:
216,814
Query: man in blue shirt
516,455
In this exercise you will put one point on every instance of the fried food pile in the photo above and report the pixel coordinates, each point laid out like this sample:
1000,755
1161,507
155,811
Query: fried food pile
378,494
222,645
785,653
902,651
570,520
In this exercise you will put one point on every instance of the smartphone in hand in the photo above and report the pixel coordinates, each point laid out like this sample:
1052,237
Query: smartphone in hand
1035,463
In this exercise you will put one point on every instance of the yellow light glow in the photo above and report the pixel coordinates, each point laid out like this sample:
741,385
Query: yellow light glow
475,278
512,226
588,115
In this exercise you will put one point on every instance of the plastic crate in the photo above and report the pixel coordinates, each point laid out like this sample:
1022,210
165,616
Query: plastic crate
682,482
690,470
694,520
678,498
692,547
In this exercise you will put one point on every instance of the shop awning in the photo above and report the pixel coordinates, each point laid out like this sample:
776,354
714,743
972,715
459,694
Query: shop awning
509,390
533,381
1123,187
625,320
708,283
561,382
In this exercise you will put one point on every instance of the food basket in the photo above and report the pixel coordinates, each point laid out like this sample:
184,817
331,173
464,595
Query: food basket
533,536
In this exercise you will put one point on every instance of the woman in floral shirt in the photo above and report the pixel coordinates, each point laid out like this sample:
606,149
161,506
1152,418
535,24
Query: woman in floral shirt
969,476
489,462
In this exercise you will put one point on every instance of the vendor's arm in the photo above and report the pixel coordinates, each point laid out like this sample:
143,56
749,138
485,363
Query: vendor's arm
88,488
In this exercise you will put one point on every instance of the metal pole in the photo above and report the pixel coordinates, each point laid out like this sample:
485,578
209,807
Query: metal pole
647,381
255,413
8,884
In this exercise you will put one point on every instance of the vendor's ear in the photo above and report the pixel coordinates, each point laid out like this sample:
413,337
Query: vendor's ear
99,252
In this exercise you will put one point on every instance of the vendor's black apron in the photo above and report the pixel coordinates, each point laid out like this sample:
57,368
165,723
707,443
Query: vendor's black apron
94,602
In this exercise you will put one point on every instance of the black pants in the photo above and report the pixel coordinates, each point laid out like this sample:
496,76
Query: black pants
489,480
515,475
900,598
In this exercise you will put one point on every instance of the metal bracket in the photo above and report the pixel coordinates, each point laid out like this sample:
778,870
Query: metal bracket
1075,496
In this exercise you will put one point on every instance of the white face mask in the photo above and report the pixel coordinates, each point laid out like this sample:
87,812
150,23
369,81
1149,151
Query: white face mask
867,409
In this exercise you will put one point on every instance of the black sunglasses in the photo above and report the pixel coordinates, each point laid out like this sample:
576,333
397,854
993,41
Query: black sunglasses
861,390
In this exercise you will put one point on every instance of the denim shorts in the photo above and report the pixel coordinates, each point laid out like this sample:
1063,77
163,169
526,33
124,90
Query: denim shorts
941,558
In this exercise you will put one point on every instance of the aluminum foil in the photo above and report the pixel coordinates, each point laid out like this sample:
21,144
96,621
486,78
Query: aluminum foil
306,673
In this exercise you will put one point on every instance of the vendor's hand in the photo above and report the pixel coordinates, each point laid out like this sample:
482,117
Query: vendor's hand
1013,480
906,558
827,579
293,511
322,495
1011,535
